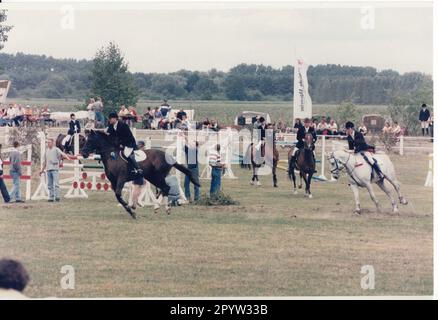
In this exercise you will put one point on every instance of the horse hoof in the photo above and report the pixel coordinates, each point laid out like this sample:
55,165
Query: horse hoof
395,210
133,215
168,211
156,210
357,211
295,192
403,201
310,196
258,183
251,183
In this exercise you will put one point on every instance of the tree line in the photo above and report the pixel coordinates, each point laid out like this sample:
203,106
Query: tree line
40,76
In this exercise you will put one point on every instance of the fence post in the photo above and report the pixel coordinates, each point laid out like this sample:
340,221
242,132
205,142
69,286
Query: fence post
401,145
322,176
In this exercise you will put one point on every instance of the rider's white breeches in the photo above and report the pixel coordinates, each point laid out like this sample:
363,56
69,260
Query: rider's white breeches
66,139
127,151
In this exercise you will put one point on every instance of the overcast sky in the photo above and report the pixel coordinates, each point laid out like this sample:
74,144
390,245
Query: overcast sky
169,37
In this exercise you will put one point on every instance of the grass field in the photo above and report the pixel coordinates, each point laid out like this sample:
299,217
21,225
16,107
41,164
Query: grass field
222,111
272,243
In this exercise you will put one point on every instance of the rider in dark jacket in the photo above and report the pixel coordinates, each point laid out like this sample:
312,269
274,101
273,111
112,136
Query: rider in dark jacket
301,136
73,127
356,142
121,132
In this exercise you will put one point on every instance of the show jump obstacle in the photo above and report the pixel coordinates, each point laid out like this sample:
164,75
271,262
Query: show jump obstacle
24,163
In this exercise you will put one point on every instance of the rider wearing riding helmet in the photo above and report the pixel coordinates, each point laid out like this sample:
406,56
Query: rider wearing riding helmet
301,136
121,132
73,127
356,142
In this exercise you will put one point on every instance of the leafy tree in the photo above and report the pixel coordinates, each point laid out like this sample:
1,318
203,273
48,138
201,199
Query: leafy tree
235,88
110,78
347,111
4,29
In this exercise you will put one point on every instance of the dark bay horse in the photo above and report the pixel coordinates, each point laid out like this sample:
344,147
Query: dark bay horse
305,164
70,146
155,168
269,153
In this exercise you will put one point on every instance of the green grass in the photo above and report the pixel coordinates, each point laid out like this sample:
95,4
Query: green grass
273,243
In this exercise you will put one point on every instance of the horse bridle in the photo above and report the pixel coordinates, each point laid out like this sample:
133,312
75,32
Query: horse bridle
338,169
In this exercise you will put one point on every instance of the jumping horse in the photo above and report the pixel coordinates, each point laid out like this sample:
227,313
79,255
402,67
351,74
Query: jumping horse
156,167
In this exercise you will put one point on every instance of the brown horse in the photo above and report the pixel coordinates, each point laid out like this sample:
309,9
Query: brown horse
69,146
305,164
155,168
266,155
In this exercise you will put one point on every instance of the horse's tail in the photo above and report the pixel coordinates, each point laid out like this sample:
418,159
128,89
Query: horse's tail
187,172
290,168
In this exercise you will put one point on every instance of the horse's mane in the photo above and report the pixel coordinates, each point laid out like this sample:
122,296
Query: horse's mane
105,138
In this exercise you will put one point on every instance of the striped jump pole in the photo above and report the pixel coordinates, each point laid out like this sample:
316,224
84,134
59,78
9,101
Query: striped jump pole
74,191
26,163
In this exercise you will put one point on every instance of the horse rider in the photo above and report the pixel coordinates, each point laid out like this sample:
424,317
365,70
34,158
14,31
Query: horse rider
260,124
73,127
301,136
356,142
121,132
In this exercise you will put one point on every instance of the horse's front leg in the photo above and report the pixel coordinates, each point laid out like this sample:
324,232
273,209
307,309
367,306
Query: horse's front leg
301,181
308,182
355,190
118,192
274,174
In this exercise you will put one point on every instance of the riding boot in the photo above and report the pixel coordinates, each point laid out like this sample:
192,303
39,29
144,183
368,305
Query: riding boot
379,172
137,170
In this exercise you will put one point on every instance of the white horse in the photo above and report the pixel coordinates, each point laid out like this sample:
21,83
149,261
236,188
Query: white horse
359,175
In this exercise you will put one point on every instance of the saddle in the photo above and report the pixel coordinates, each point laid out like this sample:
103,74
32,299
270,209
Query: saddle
139,155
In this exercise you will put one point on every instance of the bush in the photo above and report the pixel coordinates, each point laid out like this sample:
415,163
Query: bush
388,140
217,199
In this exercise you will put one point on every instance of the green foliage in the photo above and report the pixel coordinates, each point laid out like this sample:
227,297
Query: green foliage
39,76
25,136
405,107
347,111
388,140
4,29
217,199
110,78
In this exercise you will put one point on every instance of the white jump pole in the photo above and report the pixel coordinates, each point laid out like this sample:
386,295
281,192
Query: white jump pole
228,155
42,192
76,192
180,159
401,145
429,177
322,175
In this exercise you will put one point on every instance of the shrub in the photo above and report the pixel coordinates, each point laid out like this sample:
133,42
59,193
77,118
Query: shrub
217,199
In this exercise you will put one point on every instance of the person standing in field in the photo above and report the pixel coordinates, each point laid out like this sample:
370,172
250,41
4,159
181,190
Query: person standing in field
91,112
15,172
98,108
216,169
191,151
52,159
424,119
3,189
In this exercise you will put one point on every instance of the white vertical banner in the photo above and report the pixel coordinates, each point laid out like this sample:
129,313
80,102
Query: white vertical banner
4,88
302,100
